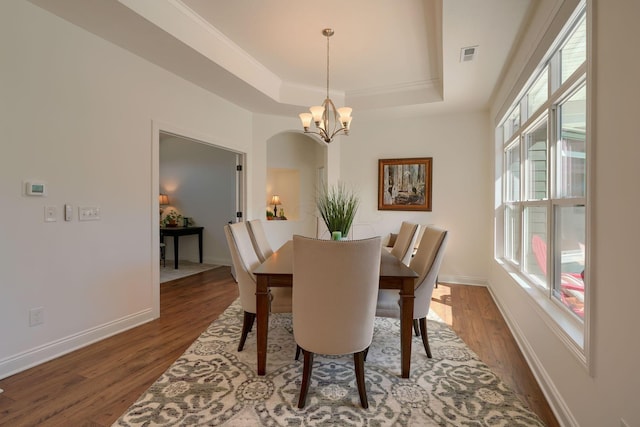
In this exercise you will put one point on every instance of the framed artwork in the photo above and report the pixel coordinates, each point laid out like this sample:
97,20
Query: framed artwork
405,184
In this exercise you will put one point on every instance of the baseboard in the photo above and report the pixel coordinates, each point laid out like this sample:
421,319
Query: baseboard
555,400
38,355
463,280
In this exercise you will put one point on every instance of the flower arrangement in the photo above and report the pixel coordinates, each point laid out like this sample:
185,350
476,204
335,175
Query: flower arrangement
171,218
337,205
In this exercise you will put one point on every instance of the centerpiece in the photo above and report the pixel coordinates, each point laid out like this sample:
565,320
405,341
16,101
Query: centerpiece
337,205
171,218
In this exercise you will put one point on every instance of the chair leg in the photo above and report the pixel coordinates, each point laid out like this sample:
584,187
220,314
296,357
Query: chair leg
425,338
415,327
247,324
297,351
366,351
306,377
358,361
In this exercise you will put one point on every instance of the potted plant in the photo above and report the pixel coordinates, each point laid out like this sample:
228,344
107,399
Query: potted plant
171,218
269,215
337,205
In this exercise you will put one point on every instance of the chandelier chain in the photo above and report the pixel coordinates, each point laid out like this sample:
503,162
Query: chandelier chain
328,65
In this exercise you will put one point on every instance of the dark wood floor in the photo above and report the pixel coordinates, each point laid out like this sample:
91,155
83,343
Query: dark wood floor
95,385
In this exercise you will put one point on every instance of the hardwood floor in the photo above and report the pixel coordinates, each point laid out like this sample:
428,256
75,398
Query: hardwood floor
93,386
475,318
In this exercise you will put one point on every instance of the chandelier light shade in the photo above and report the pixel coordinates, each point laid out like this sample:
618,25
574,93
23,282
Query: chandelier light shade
328,120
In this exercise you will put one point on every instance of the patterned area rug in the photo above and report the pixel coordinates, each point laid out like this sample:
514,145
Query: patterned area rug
213,384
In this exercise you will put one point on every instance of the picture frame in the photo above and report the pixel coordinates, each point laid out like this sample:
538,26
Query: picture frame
405,184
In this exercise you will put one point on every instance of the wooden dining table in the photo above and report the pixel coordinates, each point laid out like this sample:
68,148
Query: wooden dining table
277,271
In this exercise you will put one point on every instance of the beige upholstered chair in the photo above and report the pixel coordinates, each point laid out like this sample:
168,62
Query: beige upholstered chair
259,239
426,263
335,287
406,240
244,261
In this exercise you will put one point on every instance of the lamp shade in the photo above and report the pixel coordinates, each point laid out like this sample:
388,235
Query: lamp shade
275,200
163,199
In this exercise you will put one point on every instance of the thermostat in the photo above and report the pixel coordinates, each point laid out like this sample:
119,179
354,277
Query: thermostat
36,188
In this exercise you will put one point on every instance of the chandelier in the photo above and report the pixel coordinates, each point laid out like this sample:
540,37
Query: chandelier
328,120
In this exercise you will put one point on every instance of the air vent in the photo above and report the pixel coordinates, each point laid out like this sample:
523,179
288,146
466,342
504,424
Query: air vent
468,53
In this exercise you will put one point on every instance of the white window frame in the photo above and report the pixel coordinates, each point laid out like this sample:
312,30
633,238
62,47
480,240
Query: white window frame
572,330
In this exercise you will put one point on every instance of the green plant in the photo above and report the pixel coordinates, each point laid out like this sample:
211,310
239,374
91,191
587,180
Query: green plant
337,205
171,217
269,214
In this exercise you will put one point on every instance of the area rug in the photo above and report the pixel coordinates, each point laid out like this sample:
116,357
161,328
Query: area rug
213,384
185,268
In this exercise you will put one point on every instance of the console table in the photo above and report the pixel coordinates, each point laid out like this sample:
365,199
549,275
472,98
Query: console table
176,232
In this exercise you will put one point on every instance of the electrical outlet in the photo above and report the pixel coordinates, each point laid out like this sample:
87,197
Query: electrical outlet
36,316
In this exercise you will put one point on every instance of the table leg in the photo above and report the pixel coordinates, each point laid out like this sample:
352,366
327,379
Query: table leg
406,324
175,251
200,245
262,320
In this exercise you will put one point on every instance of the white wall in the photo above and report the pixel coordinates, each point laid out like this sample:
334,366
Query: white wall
200,182
610,391
77,112
457,143
274,138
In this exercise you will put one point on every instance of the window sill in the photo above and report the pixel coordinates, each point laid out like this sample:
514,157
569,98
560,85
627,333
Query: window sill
564,324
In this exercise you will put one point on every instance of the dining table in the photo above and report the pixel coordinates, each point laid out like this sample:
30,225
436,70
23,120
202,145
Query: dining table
277,271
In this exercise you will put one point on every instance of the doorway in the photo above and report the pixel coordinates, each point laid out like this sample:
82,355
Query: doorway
203,183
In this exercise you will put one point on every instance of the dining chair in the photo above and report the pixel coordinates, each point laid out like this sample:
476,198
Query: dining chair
245,260
335,287
259,240
405,242
426,263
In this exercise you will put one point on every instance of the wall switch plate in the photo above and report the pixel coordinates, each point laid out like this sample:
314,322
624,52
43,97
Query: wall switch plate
50,214
36,316
68,212
88,213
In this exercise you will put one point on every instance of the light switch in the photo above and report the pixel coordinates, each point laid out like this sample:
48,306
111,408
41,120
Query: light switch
68,212
88,213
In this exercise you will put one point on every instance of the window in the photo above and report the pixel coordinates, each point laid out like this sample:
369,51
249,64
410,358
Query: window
544,163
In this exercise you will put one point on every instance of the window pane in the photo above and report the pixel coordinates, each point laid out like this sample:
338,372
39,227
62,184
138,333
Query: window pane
538,93
571,151
512,173
512,233
536,163
511,124
574,51
569,261
535,249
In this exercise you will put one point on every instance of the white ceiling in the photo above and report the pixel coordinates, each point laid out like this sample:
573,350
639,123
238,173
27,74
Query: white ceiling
269,56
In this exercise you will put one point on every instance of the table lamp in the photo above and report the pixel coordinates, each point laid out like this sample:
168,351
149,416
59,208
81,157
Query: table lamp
163,200
275,201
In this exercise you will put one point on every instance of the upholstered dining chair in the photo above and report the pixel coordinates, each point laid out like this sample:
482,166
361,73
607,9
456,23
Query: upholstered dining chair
335,287
426,263
406,240
245,261
259,240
